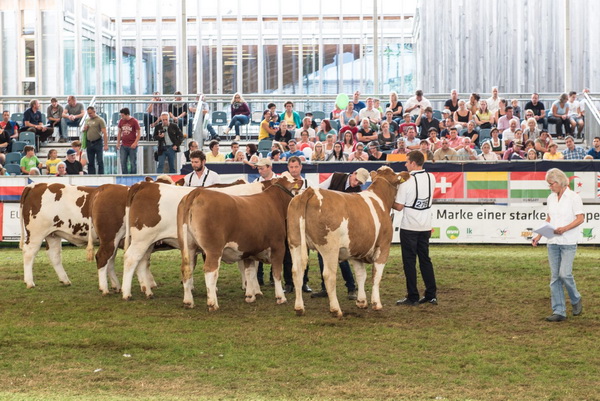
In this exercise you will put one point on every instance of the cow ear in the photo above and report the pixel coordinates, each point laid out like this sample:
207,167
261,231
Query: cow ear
403,176
149,179
373,173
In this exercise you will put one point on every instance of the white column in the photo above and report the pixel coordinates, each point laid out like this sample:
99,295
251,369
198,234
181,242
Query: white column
239,51
119,52
219,63
138,48
375,50
182,57
39,55
279,50
99,59
260,59
78,72
199,58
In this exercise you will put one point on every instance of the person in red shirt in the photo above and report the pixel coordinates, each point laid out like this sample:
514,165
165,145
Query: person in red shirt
127,141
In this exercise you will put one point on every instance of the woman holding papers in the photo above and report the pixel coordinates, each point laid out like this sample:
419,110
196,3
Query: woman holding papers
565,214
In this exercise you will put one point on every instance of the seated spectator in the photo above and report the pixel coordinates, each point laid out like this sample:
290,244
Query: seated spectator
466,152
403,127
529,144
393,125
318,154
306,126
528,115
61,169
357,103
32,119
425,149
73,113
374,153
358,154
290,117
494,100
508,135
80,155
370,113
178,111
365,133
539,112
9,127
324,130
497,144
395,106
505,120
276,146
335,113
499,113
452,103
573,152
293,151
400,147
193,145
516,108
35,171
412,142
240,157
473,104
543,142
73,166
433,140
275,155
415,104
553,153
446,115
426,121
486,152
338,154
54,115
313,124
274,116
349,144
595,150
240,115
350,127
329,143
52,161
445,126
252,154
266,130
304,140
213,156
348,114
235,146
559,115
445,152
575,113
455,141
531,130
283,135
472,133
532,154
462,115
386,139
30,160
5,143
483,117
515,151
377,106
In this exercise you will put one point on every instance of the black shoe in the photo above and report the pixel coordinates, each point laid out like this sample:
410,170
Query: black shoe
217,138
407,302
261,283
555,318
62,140
432,301
352,295
320,294
288,289
306,288
271,283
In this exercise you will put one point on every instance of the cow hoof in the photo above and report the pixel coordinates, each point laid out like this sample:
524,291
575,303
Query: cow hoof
213,308
362,304
127,298
299,312
281,300
336,313
250,298
143,289
30,285
377,306
66,283
104,293
188,305
150,296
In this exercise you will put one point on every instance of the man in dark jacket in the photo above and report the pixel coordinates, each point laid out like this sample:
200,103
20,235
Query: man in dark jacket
169,139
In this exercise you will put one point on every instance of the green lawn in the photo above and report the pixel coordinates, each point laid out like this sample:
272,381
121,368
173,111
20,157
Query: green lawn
486,340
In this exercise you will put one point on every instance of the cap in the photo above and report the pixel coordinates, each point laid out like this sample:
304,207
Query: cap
362,175
446,111
71,152
264,162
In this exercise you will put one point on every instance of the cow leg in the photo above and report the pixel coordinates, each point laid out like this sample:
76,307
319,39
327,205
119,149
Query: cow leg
30,250
361,278
55,256
242,270
252,286
377,274
144,276
211,275
105,257
134,256
330,266
299,261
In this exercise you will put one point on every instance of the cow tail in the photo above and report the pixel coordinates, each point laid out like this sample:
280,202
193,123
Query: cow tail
297,218
24,195
90,244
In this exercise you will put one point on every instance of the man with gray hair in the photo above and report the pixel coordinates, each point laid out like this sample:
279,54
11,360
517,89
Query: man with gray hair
32,121
169,137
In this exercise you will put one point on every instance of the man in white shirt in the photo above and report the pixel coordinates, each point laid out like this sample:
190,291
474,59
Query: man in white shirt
509,134
417,102
201,176
265,170
575,113
414,198
370,112
493,101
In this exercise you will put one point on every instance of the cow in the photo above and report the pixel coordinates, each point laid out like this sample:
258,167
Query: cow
344,226
151,218
53,212
234,228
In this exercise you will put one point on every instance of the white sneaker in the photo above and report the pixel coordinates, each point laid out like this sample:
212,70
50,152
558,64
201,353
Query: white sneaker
237,138
226,131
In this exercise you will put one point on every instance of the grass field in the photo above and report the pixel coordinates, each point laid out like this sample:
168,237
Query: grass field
486,340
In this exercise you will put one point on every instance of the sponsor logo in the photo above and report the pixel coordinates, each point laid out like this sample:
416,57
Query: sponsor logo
435,233
588,234
527,233
452,232
503,232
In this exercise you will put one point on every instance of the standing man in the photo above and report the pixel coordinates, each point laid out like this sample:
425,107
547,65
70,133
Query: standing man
32,119
97,140
72,114
54,114
178,111
128,136
169,139
415,198
349,183
201,176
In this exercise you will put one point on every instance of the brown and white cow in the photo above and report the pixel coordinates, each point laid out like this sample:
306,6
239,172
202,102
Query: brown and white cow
344,226
234,228
53,212
152,217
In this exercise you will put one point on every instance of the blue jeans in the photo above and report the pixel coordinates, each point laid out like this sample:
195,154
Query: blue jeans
560,258
94,151
237,121
68,123
125,153
170,154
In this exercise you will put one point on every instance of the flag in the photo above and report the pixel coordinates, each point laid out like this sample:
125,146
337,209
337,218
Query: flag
324,176
10,194
488,185
583,183
449,186
598,185
529,185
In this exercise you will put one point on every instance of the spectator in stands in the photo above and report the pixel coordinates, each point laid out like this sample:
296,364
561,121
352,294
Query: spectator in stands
155,109
352,127
425,120
483,117
395,106
433,140
508,135
486,152
32,120
338,154
11,128
393,125
128,137
445,126
528,115
400,147
274,116
462,115
500,113
266,131
80,155
377,106
30,160
472,133
365,133
504,121
203,107
72,113
324,130
493,101
358,154
374,153
452,103
283,135
290,117
72,165
329,143
54,115
348,114
543,142
5,143
426,150
575,113
553,153
538,109
573,152
516,108
61,169
497,144
386,139
312,124
252,154
178,111
531,131
52,161
357,104
370,112
293,151
304,141
529,144
349,144
473,104
455,142
515,152
235,147
466,152
97,140
275,155
445,152
169,139
532,154
415,104
193,145
214,156
559,115
276,146
335,113
240,115
595,150
240,157
412,142
318,154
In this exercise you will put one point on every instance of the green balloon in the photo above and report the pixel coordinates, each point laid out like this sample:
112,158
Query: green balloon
342,101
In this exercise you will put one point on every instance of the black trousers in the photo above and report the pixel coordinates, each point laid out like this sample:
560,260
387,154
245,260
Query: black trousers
287,268
560,123
416,244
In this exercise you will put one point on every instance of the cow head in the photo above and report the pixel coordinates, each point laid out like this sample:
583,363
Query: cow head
288,185
388,174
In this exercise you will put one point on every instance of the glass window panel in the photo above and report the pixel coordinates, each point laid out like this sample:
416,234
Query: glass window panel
128,68
330,72
50,49
209,69
29,58
169,69
109,63
89,66
149,69
192,63
28,22
250,69
69,62
9,41
270,68
310,65
230,69
290,68
351,65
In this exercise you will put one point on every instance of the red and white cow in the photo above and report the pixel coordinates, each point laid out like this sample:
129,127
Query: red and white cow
344,226
234,228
